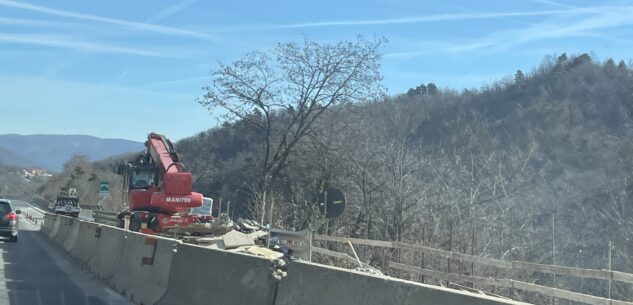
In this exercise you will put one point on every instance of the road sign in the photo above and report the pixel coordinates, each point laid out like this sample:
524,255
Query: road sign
331,202
104,188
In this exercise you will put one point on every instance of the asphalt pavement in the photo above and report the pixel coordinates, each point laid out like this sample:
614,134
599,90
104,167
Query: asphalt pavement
34,271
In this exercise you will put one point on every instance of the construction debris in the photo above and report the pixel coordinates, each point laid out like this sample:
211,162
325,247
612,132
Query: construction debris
247,225
265,252
279,269
234,239
257,235
368,269
244,236
209,228
203,241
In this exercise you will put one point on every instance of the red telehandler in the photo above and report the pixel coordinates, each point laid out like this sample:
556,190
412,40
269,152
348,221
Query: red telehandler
159,191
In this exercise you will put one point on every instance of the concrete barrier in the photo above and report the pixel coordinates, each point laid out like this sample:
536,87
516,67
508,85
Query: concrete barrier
315,284
162,271
60,229
56,224
53,222
72,235
142,275
85,246
64,231
47,225
107,253
205,276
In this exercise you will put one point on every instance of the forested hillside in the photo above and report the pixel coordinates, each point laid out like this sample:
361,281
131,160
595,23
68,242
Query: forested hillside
538,161
15,184
536,167
85,177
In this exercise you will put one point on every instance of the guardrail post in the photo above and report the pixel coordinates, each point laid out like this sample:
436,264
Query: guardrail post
610,271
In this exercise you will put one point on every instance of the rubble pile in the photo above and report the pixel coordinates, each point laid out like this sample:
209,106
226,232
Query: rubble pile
249,237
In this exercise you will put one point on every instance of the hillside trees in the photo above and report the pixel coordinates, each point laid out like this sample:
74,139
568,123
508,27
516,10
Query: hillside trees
479,171
81,174
13,183
482,171
284,92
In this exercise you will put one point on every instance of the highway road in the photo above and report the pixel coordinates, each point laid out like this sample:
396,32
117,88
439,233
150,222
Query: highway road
34,271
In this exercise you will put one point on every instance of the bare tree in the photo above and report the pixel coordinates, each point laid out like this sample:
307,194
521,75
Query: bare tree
283,92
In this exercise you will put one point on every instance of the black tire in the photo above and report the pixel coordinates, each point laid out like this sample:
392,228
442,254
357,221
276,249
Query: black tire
135,225
120,223
13,239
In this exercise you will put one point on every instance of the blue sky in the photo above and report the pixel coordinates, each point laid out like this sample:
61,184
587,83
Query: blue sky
121,69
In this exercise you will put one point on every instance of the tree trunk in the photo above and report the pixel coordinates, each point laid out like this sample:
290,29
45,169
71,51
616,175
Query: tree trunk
263,209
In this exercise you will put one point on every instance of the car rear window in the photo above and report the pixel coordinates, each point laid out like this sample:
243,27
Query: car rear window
5,208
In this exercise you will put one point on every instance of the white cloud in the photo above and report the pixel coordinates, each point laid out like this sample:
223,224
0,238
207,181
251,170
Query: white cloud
552,3
578,23
131,24
70,43
572,22
29,22
445,49
172,9
415,19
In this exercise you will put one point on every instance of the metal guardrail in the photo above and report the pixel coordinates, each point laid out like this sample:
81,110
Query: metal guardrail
91,207
600,274
501,264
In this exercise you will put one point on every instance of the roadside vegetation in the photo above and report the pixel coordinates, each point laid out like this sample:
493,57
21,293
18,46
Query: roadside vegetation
15,184
535,167
538,161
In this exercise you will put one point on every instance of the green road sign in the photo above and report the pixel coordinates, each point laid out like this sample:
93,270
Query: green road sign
104,187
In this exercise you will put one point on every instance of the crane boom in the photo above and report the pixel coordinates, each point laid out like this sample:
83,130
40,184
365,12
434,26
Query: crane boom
160,193
169,188
162,152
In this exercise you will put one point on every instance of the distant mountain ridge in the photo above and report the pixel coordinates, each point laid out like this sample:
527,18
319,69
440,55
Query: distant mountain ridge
51,151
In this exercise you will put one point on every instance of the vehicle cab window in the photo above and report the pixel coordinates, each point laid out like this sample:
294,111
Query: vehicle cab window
142,178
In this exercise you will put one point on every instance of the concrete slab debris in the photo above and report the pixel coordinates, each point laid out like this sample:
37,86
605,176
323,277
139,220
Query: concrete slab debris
259,251
234,239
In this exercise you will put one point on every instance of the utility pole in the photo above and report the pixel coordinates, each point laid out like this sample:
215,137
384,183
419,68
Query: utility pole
450,246
511,249
327,222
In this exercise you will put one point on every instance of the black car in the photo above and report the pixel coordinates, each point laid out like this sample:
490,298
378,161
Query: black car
9,222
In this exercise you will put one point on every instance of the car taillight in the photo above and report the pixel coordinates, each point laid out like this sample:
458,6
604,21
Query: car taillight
10,216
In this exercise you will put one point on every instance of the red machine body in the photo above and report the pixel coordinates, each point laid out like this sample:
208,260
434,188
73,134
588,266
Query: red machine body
160,194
